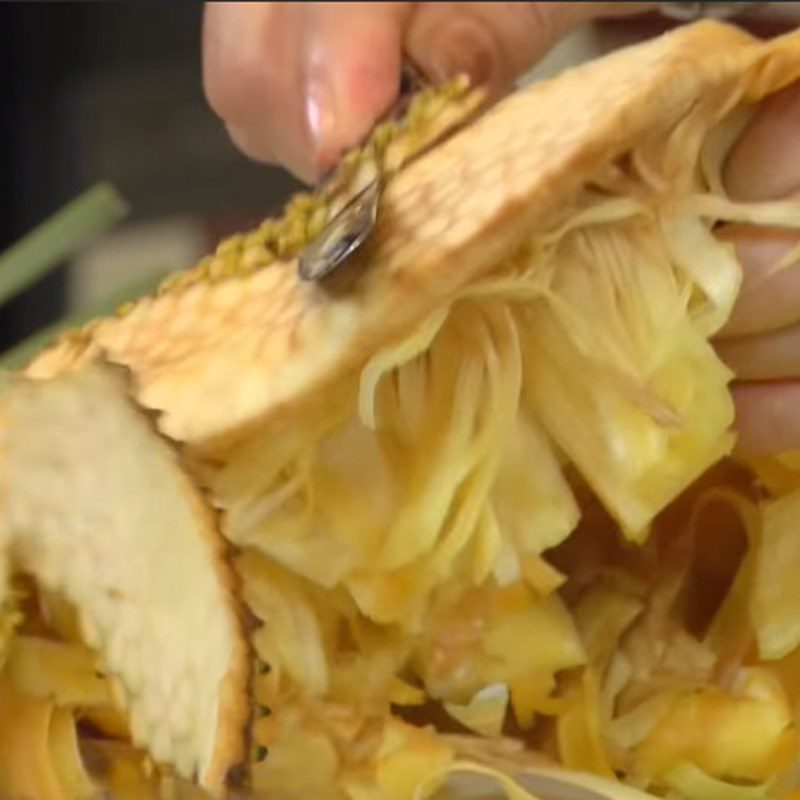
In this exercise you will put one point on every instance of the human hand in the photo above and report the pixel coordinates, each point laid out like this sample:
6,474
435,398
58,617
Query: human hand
761,342
297,84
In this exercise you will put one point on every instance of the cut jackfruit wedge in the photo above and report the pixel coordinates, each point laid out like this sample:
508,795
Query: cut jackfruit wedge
98,508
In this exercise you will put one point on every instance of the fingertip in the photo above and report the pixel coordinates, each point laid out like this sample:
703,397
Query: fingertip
495,43
258,149
768,416
445,40
352,74
452,44
255,149
764,164
362,89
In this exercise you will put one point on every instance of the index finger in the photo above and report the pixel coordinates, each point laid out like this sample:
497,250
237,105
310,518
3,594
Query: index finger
294,83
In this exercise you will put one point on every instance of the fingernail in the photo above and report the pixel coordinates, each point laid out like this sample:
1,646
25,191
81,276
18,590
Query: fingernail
767,416
320,118
319,114
463,50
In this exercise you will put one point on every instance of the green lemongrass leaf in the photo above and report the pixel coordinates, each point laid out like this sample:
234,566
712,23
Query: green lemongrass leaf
20,354
58,238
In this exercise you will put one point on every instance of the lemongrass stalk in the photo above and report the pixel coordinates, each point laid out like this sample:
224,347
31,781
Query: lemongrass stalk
58,238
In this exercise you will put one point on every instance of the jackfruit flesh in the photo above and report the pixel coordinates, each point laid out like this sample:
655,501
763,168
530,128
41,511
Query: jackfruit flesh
512,514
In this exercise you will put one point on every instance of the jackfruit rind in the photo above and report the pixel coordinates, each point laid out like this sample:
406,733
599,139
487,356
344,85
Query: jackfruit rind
97,507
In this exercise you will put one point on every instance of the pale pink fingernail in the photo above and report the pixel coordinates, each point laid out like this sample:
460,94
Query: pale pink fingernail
320,117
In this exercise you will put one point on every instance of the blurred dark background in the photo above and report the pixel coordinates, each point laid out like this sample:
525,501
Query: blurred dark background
112,91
